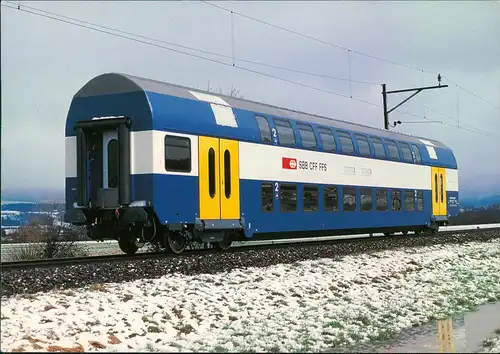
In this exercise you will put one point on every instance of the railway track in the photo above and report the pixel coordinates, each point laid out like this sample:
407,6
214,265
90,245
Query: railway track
60,262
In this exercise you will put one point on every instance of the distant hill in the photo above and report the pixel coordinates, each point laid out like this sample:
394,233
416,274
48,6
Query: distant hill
32,195
479,201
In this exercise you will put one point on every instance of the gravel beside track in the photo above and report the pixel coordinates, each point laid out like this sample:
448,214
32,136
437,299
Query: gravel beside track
76,276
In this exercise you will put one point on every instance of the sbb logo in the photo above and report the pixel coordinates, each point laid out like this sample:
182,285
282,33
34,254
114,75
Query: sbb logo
289,163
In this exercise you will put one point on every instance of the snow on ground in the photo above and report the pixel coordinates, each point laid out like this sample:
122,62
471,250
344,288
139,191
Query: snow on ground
306,306
492,344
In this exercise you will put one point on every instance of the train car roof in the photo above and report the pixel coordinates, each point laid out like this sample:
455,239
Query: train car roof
116,83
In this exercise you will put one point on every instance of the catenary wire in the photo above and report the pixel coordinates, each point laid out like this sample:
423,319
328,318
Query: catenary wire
18,7
233,57
344,48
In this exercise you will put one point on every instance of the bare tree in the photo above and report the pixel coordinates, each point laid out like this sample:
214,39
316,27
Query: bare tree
47,237
233,92
39,242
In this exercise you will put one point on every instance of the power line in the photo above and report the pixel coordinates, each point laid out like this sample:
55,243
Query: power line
472,93
19,8
343,48
313,38
233,57
204,58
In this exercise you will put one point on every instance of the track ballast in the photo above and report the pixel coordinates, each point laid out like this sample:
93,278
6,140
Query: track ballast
59,262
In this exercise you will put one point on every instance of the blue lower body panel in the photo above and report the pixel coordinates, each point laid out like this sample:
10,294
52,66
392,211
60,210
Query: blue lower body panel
175,199
258,221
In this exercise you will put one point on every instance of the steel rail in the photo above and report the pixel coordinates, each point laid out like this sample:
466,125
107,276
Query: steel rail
58,262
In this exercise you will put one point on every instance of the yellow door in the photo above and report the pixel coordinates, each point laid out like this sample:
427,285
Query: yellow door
230,181
442,192
436,209
209,179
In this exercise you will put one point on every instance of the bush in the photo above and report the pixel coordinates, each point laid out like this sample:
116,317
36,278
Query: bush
42,242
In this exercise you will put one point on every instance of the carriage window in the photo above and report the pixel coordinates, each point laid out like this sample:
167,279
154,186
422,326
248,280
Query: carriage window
381,200
177,154
327,139
396,200
405,149
227,173
366,199
113,164
349,199
346,142
307,136
285,132
265,132
393,150
288,198
420,200
379,148
363,146
310,198
267,197
331,199
409,201
416,152
211,172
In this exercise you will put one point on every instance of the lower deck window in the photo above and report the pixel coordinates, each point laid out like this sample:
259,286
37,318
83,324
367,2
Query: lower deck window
409,201
310,198
349,199
267,197
381,200
366,199
331,198
396,200
288,198
420,200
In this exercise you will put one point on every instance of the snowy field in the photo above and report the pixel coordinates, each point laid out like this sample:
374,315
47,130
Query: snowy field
307,306
492,344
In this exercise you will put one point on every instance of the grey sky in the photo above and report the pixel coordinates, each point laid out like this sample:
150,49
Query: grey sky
44,62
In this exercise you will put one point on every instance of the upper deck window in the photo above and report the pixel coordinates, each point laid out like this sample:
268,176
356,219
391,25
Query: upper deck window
416,152
327,139
346,142
363,146
286,134
265,132
379,148
405,149
393,150
307,136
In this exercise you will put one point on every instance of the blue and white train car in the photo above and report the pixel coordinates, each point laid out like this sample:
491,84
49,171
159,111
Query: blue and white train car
148,161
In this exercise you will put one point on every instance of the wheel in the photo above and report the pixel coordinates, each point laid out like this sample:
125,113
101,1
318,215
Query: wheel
224,244
176,242
417,232
404,233
387,234
128,246
435,230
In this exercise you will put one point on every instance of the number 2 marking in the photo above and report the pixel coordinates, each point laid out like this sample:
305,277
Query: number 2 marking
276,186
274,132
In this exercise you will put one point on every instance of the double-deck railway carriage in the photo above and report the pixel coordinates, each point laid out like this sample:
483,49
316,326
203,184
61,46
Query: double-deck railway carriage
148,161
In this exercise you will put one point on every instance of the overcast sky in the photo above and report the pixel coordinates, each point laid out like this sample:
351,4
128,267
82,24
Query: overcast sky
45,62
